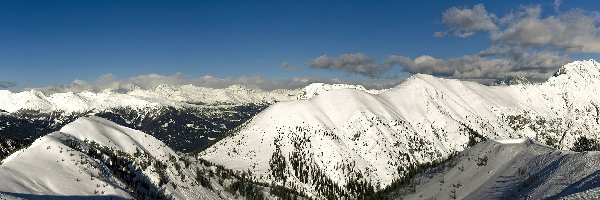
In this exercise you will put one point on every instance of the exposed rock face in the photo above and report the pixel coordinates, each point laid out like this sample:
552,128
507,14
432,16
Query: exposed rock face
512,80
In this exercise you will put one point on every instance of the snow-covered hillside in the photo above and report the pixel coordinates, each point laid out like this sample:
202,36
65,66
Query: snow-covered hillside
508,169
349,142
77,161
93,158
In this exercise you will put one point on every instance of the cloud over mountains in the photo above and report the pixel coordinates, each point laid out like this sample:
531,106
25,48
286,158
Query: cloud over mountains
464,22
357,63
151,81
524,42
7,84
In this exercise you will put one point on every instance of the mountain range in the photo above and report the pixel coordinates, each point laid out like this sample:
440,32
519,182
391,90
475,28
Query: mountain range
187,118
320,142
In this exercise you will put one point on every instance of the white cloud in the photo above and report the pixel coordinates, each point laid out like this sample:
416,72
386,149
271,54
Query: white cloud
523,42
537,66
464,22
573,31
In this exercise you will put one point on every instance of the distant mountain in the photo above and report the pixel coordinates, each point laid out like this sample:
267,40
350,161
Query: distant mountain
508,169
351,143
162,96
511,80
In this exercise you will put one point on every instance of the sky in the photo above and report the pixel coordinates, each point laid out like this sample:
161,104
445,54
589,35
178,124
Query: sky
75,45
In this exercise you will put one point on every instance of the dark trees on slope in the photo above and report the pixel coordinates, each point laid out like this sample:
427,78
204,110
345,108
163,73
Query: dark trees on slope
586,144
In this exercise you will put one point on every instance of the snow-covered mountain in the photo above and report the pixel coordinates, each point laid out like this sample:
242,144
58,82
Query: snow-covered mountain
93,158
187,118
508,169
350,143
84,158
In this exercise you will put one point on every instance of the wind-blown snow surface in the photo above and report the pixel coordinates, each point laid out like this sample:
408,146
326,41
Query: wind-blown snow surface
348,135
514,169
53,167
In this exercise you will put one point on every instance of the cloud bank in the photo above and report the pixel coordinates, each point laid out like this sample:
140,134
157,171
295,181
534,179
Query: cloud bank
151,81
522,43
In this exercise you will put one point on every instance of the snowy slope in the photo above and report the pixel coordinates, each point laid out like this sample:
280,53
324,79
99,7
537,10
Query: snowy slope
69,163
349,135
509,170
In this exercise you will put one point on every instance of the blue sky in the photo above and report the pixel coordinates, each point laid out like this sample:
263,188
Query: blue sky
55,42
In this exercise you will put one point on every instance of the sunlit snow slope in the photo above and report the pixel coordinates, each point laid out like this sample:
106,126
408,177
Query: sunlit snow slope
356,140
517,169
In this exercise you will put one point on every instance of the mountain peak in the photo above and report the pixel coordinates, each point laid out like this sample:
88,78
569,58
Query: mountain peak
578,67
512,80
238,88
315,89
587,71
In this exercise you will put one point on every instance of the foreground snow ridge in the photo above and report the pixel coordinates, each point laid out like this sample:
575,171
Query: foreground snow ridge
360,141
84,160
